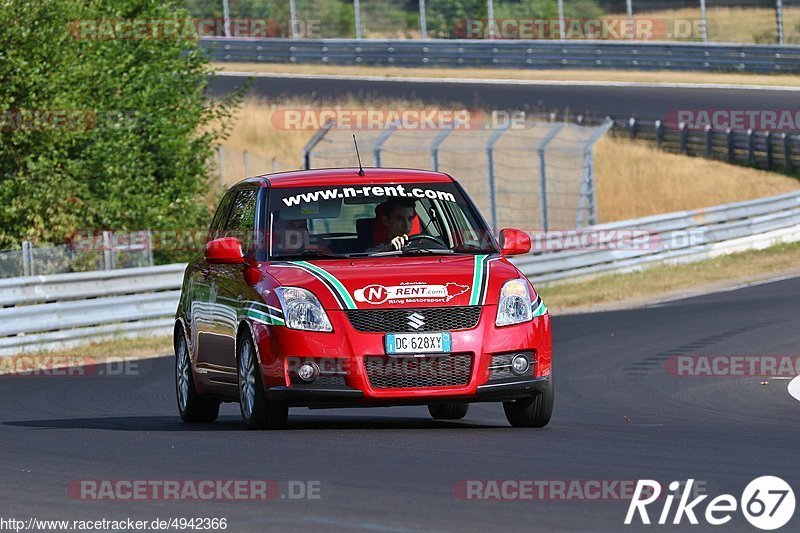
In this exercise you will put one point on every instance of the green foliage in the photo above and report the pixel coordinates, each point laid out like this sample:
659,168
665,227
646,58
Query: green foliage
136,150
445,17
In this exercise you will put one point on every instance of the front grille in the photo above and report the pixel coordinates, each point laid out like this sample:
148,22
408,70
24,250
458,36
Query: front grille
397,320
407,372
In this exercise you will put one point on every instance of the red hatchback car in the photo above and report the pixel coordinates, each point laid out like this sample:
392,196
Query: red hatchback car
351,288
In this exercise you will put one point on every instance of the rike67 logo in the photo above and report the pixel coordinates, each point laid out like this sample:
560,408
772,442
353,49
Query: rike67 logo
767,503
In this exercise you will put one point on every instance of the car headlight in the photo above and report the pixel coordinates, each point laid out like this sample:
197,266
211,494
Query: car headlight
302,310
514,306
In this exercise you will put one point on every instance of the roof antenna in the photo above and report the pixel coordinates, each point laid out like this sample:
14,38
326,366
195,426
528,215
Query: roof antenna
360,168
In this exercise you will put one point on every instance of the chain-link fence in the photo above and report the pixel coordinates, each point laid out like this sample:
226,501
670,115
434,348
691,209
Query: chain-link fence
733,21
101,251
232,165
531,175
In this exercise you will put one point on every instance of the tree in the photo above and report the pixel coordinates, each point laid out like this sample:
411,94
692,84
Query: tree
99,128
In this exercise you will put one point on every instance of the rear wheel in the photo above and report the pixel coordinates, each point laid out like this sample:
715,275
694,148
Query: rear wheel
448,410
532,411
257,411
191,407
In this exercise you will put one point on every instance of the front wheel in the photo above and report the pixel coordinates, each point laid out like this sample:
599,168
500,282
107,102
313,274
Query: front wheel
191,407
257,411
532,411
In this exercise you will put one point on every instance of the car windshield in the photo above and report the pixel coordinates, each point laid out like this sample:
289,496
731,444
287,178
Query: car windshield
363,221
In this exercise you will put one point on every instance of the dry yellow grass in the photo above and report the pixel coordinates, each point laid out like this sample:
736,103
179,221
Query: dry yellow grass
634,179
739,25
673,280
522,74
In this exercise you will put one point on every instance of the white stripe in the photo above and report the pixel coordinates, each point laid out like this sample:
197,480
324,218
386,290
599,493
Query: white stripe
507,81
794,388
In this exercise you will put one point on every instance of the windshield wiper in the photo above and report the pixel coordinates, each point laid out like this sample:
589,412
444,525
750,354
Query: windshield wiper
413,251
312,253
471,249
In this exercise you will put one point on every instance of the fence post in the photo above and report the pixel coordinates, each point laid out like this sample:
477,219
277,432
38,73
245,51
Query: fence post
683,138
27,261
437,142
659,133
274,164
779,19
787,152
540,150
751,149
770,152
709,141
108,252
149,247
312,143
490,167
731,145
632,127
221,152
378,146
246,164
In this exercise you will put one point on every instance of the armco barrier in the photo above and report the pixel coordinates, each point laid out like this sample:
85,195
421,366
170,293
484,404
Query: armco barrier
509,54
62,310
680,237
46,312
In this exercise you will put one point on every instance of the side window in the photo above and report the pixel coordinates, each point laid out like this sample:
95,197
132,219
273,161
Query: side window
215,230
241,223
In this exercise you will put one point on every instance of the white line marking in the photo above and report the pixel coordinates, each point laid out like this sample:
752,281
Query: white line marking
794,388
506,81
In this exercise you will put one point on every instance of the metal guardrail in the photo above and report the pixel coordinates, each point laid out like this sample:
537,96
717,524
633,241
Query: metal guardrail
61,310
510,54
766,149
45,312
673,237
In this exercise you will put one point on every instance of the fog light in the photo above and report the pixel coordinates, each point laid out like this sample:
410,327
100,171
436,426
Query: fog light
520,364
308,372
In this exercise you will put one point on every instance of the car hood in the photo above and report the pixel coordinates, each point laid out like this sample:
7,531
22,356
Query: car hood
399,282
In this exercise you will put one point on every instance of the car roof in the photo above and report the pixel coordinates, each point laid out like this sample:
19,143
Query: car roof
347,176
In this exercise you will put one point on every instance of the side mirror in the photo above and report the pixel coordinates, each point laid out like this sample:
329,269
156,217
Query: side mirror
225,251
514,242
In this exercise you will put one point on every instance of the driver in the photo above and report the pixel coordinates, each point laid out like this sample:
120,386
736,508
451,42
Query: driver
398,216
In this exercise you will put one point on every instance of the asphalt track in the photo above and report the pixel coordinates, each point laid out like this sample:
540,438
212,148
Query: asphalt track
617,101
394,469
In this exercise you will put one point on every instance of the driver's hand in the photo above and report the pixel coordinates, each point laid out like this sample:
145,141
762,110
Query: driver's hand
399,242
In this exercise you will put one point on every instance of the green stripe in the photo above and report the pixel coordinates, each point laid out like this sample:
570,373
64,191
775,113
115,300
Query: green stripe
263,317
541,310
348,300
477,274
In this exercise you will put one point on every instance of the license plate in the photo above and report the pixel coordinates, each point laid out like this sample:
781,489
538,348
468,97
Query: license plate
404,343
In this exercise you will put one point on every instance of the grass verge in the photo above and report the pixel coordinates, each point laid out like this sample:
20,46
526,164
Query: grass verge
724,78
671,281
88,354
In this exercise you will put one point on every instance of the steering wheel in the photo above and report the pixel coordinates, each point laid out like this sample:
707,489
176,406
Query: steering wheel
422,237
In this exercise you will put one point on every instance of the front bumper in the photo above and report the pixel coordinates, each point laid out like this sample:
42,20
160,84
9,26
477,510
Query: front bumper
325,397
281,349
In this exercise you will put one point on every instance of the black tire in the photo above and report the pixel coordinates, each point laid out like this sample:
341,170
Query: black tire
448,410
192,407
533,411
257,411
